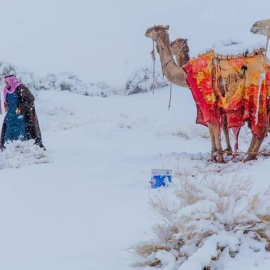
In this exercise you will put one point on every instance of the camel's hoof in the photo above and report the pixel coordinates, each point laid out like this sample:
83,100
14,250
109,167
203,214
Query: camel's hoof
249,158
213,159
220,159
217,158
213,156
228,151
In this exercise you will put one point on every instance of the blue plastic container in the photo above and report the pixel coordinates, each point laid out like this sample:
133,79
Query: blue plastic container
161,178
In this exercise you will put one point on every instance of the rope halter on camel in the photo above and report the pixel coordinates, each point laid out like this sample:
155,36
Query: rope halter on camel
153,55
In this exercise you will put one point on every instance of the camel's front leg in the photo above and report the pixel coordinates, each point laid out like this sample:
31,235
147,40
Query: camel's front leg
215,136
216,130
213,143
254,148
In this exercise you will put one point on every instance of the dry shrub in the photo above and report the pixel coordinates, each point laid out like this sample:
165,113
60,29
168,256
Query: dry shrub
205,219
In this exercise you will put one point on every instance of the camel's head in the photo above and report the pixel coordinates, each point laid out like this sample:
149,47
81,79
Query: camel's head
261,27
154,32
178,44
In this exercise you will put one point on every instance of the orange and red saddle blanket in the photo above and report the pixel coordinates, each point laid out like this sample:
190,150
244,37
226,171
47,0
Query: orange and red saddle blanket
238,88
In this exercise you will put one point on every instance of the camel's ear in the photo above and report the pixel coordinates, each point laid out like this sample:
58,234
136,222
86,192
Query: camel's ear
167,27
186,39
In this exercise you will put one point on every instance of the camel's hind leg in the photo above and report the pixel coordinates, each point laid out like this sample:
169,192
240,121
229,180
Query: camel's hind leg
251,146
227,138
254,148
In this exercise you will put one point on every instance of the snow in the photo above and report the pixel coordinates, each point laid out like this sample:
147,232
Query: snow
18,154
68,213
88,204
231,47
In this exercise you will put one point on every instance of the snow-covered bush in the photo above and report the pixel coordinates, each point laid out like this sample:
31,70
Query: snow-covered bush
208,224
19,154
72,83
62,82
142,81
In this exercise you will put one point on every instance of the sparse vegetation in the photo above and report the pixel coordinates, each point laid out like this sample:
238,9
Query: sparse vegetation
206,221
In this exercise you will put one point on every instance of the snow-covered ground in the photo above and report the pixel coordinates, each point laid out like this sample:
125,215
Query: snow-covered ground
87,203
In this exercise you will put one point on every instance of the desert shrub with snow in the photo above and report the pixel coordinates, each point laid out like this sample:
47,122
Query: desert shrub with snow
72,83
208,224
19,154
142,81
62,82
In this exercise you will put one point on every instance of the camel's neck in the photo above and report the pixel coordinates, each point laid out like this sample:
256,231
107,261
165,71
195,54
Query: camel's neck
174,73
182,56
163,46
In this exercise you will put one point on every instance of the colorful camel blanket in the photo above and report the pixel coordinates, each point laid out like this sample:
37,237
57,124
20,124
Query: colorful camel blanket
238,88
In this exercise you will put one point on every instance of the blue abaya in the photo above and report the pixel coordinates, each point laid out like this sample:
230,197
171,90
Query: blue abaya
15,125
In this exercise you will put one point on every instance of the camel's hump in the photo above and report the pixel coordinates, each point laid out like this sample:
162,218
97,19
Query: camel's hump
235,47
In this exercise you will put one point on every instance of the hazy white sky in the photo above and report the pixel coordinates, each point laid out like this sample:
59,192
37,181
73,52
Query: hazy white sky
104,40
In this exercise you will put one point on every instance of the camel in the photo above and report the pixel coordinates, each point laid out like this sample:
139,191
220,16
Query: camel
261,28
180,50
177,76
